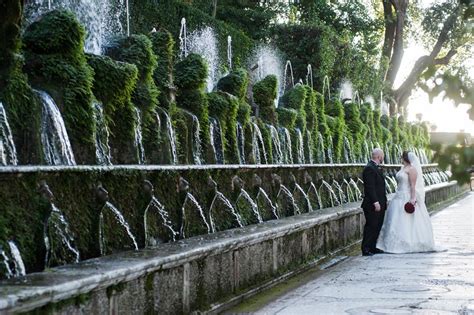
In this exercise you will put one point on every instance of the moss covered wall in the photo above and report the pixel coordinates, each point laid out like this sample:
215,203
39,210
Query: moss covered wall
23,210
20,102
56,63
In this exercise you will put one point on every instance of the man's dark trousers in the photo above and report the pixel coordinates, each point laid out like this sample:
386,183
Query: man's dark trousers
374,191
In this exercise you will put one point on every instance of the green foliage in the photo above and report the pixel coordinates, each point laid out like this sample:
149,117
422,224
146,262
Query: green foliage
10,21
224,107
297,43
163,48
190,78
287,117
355,128
114,84
57,32
323,126
21,105
244,112
235,83
296,98
367,116
191,72
167,14
138,50
338,128
65,74
377,126
458,158
264,95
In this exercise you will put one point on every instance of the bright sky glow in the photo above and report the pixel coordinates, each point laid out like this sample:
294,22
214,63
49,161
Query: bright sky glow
442,113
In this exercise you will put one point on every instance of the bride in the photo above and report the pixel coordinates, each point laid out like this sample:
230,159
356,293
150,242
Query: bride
403,232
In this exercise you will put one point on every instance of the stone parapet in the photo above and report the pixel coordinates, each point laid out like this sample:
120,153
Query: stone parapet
200,273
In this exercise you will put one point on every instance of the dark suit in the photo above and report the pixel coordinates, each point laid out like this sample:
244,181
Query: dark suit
374,191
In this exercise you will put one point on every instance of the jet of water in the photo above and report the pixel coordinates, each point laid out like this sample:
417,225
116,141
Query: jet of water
229,52
139,137
102,148
120,220
190,199
204,42
229,208
284,192
57,148
262,194
183,43
241,142
258,144
300,190
286,145
288,75
156,208
216,140
276,145
299,146
309,76
58,239
7,146
245,196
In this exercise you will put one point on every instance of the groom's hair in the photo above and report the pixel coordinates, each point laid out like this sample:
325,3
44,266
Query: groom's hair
377,152
405,156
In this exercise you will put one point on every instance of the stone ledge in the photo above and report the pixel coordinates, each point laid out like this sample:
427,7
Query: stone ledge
299,238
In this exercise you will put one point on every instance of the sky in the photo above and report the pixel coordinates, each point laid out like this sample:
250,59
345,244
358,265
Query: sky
442,113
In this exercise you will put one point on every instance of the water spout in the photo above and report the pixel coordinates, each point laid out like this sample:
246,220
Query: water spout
183,42
204,42
288,67
276,145
7,147
187,226
309,76
286,145
216,140
139,137
102,148
56,146
229,52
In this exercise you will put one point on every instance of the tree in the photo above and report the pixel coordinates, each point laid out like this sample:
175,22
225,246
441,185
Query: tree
445,33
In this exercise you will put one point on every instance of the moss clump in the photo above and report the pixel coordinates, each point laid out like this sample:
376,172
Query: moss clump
224,107
190,79
114,83
264,95
55,62
191,73
355,128
287,117
138,50
235,83
21,106
163,44
311,123
323,128
377,126
338,128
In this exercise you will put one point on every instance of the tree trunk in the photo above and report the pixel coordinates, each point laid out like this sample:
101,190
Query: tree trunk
404,91
397,54
389,36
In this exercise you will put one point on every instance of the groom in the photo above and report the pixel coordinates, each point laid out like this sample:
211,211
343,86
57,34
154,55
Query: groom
374,203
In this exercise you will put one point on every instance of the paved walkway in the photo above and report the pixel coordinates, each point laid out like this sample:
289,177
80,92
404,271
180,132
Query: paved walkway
435,283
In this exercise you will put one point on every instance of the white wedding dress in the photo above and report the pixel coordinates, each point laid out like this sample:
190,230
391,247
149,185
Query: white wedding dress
403,232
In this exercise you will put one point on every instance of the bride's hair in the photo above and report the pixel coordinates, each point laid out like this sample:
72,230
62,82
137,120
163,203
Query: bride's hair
405,156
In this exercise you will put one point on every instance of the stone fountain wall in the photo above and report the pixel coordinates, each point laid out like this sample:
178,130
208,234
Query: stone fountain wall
202,273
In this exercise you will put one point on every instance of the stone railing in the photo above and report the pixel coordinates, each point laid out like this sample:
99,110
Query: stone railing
199,273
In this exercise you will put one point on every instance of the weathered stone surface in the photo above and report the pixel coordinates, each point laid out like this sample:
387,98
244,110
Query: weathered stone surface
195,273
420,283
